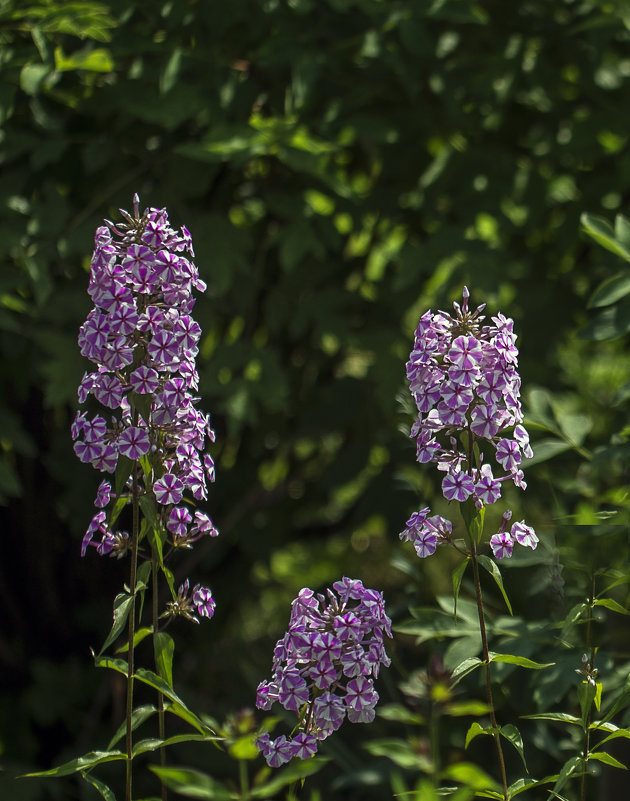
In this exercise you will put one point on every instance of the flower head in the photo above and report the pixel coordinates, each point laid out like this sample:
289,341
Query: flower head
325,665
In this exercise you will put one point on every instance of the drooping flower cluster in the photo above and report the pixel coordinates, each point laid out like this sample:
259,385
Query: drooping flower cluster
463,377
143,340
324,666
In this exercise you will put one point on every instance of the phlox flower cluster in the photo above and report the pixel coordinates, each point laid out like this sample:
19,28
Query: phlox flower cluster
325,665
143,341
463,376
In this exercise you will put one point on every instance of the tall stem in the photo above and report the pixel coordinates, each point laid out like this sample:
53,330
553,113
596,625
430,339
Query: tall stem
161,728
486,664
135,530
591,664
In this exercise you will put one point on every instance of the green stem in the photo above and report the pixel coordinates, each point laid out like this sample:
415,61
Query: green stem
486,663
161,727
591,665
135,530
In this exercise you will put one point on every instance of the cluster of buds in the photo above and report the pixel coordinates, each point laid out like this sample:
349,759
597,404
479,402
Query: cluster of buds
324,666
143,340
463,377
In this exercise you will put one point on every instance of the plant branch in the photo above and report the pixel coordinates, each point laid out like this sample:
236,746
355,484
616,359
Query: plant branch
132,624
486,662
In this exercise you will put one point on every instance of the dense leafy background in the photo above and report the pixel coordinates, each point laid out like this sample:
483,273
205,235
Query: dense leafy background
343,165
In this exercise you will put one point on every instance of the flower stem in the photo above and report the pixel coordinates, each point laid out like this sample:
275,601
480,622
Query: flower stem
486,663
161,728
132,624
591,664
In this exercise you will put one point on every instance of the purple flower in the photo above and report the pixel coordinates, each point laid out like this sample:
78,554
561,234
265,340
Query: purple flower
103,494
134,442
463,377
203,601
457,486
425,543
502,545
168,489
144,380
324,666
524,535
143,341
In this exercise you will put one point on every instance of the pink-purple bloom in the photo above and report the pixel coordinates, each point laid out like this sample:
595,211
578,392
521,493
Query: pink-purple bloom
325,665
463,377
143,341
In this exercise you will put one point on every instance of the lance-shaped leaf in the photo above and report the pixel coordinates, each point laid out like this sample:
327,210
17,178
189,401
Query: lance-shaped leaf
103,789
568,769
464,668
607,759
513,735
491,566
521,661
138,717
122,606
84,762
164,648
191,783
293,772
475,730
458,575
154,743
178,707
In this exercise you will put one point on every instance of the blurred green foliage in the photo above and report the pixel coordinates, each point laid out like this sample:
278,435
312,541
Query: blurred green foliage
343,165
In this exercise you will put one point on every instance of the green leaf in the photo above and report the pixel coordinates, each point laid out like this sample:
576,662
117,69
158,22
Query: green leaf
138,717
96,60
513,735
122,606
607,759
164,648
625,733
140,635
612,323
123,471
521,785
400,752
602,232
84,762
472,776
103,789
610,291
491,566
561,717
546,449
191,783
521,661
178,707
620,703
586,695
611,604
149,510
463,708
400,714
475,730
457,577
117,508
598,695
571,619
243,748
568,769
182,712
464,668
473,518
295,771
154,743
